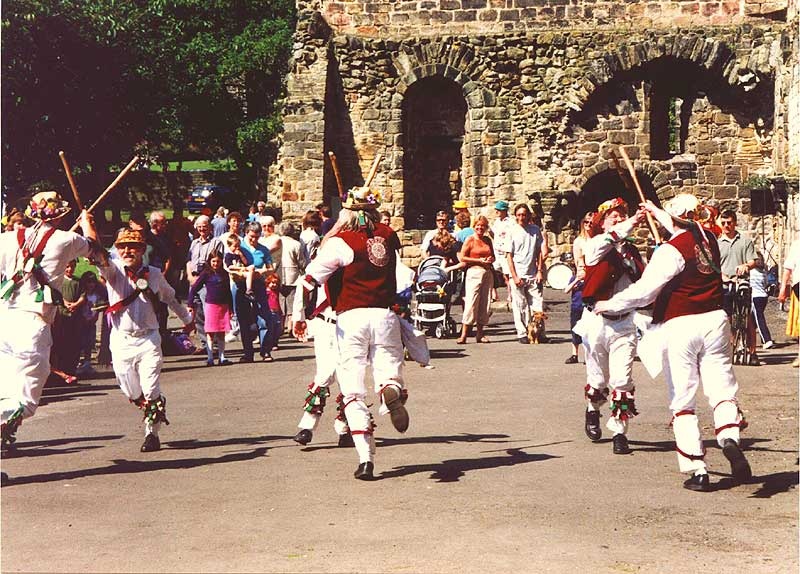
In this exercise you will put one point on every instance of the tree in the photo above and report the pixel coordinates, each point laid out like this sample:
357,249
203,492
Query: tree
173,79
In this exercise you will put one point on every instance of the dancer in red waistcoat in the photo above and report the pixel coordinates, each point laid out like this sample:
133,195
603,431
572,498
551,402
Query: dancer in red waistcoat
358,265
685,281
612,263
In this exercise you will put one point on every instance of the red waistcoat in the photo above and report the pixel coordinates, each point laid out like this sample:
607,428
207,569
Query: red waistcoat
601,278
370,280
698,288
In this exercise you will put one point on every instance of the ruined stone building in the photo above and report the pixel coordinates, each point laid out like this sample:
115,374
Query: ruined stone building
525,100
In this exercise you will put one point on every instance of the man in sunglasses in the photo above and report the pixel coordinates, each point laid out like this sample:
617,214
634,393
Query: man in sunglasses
737,256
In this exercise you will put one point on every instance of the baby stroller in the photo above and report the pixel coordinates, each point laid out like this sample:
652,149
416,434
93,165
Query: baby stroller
434,291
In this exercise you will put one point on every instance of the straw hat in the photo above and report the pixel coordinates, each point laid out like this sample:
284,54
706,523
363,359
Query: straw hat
359,198
130,237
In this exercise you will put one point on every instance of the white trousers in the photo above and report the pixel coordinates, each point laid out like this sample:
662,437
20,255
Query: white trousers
367,337
25,342
525,299
137,362
610,347
326,355
699,352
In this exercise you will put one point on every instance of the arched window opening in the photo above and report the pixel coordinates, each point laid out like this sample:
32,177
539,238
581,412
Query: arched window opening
434,119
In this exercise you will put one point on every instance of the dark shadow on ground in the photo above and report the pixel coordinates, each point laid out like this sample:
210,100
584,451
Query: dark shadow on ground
47,447
123,466
193,444
452,470
457,353
669,445
771,484
385,442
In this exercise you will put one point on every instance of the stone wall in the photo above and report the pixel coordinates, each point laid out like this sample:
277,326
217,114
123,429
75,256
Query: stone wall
401,19
545,107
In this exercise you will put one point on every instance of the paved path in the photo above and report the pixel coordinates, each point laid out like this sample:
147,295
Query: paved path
494,475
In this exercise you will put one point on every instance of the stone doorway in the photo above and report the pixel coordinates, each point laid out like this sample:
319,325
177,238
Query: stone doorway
434,120
608,185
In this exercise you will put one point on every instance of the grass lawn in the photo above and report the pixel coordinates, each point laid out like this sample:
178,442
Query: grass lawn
199,165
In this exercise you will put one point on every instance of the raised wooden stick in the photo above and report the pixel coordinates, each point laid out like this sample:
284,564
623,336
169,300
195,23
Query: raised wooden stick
71,181
336,174
650,221
373,170
110,187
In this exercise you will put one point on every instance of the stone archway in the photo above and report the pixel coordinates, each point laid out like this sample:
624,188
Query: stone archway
605,184
434,117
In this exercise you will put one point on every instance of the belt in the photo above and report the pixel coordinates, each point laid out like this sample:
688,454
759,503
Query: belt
613,317
326,319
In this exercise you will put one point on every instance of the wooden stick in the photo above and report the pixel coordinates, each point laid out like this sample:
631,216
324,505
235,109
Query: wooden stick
373,170
111,186
336,174
71,181
650,221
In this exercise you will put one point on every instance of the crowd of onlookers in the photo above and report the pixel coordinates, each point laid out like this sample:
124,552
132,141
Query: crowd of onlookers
237,273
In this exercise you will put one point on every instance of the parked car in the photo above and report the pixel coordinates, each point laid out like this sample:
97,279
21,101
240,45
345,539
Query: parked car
207,196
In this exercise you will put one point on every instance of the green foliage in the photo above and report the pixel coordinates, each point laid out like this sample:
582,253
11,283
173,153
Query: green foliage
757,181
170,79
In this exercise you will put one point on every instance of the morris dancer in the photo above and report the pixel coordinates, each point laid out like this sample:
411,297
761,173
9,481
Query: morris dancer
684,280
32,263
358,266
322,325
134,290
612,263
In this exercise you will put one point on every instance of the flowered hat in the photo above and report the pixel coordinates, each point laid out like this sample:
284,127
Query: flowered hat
47,206
607,207
359,198
130,237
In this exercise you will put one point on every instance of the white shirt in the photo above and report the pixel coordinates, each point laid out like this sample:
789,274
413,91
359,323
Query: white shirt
61,248
666,263
524,244
310,241
140,314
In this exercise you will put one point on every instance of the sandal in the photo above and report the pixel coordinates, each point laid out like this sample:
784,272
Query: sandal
461,341
484,340
267,358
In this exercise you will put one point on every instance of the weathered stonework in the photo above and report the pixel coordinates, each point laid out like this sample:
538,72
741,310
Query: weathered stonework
527,100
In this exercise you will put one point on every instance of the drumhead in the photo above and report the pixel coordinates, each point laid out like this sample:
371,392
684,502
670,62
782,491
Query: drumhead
559,275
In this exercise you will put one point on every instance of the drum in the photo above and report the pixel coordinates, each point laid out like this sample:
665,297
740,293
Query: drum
560,274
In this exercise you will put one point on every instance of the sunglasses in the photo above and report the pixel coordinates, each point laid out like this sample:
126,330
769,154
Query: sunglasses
726,222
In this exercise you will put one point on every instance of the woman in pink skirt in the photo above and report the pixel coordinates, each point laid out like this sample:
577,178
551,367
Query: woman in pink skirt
217,305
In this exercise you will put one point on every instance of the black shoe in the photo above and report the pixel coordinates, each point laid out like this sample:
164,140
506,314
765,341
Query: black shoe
303,437
246,359
151,443
224,363
397,411
523,341
364,471
753,361
740,468
573,359
698,483
593,426
346,440
4,479
621,444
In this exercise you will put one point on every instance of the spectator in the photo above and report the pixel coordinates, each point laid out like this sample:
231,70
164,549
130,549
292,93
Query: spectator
737,256
576,298
217,305
257,311
138,222
293,264
464,229
219,224
477,254
441,225
161,257
252,213
459,206
15,221
96,300
235,221
270,239
327,221
273,283
235,261
66,339
386,217
759,298
310,236
199,251
179,236
525,262
790,286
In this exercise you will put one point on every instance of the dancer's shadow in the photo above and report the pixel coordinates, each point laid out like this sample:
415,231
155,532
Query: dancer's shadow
452,470
771,484
52,395
669,445
440,354
450,439
123,466
194,444
47,447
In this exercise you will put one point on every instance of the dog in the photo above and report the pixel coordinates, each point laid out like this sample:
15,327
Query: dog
536,330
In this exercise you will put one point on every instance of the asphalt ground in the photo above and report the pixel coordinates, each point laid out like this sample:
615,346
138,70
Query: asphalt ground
495,474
